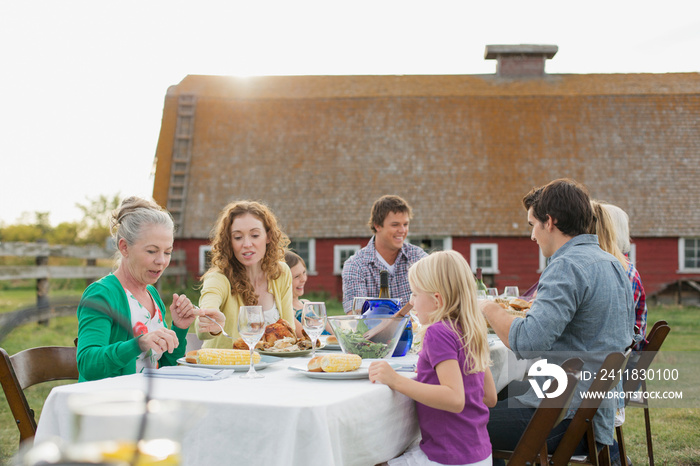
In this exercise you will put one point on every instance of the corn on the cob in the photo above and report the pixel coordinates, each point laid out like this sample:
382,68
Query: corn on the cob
225,357
340,362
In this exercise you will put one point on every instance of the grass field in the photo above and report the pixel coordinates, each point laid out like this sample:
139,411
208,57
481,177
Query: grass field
675,430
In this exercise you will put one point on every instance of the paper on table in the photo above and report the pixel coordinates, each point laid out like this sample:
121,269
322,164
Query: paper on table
187,373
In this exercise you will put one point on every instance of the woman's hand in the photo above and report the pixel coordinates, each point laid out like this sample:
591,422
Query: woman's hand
381,371
161,340
206,325
183,311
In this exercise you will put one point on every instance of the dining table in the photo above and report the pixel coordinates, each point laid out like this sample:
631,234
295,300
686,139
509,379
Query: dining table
287,417
506,367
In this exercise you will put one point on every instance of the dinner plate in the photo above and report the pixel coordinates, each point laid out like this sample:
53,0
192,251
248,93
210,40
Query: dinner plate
361,373
264,362
289,354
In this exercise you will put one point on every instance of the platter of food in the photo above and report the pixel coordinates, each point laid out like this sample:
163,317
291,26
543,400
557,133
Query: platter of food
216,358
514,306
279,340
361,372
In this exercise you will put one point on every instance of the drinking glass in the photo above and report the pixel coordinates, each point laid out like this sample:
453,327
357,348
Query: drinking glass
492,293
357,304
313,319
120,425
251,327
481,294
511,292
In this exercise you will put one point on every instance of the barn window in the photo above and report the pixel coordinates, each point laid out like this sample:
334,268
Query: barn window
204,258
306,248
341,253
432,244
689,254
484,255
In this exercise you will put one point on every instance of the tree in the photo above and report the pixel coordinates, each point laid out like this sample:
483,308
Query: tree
27,230
64,233
94,228
20,233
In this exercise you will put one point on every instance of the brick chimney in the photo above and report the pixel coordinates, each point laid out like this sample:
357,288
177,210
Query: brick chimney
520,60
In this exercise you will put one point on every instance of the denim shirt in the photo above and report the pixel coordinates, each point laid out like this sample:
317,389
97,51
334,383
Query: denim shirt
584,308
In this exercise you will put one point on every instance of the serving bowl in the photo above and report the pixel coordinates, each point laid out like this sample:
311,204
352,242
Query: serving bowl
372,337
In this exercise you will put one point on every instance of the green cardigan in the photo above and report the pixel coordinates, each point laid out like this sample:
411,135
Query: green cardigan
106,343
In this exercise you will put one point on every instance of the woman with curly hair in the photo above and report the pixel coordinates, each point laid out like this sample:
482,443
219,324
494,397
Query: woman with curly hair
247,269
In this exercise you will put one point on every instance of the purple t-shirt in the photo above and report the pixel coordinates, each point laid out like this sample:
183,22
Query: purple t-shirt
450,438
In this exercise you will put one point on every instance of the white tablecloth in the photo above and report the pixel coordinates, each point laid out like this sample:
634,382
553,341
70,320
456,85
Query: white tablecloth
282,419
506,367
285,418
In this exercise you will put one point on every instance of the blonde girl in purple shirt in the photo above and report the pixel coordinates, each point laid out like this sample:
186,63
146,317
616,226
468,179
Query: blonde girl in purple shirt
454,386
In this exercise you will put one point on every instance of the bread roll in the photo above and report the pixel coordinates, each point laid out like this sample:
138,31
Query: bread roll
191,357
315,364
519,304
331,340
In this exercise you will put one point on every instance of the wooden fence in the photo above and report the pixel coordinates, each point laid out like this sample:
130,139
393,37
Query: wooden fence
43,273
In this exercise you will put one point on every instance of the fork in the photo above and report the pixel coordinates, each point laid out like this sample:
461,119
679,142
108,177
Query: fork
223,332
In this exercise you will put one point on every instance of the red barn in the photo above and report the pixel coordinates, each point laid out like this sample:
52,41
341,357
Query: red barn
462,149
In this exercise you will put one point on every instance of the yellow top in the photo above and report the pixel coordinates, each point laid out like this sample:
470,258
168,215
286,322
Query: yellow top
216,294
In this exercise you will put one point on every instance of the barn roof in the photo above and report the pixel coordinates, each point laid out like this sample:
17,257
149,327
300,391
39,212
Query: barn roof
462,149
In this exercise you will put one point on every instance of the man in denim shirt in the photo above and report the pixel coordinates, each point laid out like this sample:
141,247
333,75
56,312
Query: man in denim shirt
584,308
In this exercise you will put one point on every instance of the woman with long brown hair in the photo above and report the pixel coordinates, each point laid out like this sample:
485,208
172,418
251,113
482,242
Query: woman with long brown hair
248,269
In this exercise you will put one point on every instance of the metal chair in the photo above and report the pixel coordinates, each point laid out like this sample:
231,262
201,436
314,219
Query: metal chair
31,367
582,423
655,339
548,415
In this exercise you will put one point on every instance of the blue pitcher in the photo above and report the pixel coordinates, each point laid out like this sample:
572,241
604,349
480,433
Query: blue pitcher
390,306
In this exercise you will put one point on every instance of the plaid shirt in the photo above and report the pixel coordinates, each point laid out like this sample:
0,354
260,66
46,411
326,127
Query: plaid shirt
361,274
640,304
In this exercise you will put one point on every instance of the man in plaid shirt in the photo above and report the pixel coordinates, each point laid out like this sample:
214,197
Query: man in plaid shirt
386,250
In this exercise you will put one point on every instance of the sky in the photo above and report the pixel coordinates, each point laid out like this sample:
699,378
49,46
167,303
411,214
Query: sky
83,82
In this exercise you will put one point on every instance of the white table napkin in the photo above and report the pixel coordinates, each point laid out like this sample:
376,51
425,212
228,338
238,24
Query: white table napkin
188,373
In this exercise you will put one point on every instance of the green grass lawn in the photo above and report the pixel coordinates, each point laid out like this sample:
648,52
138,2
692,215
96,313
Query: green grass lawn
676,433
11,300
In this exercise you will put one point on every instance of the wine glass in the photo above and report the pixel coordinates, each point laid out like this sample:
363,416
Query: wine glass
357,304
313,319
511,292
492,293
251,326
480,294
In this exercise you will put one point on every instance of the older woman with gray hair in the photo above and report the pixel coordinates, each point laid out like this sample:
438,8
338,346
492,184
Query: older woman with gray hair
121,317
620,223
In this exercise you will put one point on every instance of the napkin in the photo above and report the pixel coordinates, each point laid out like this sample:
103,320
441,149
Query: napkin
404,367
187,373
